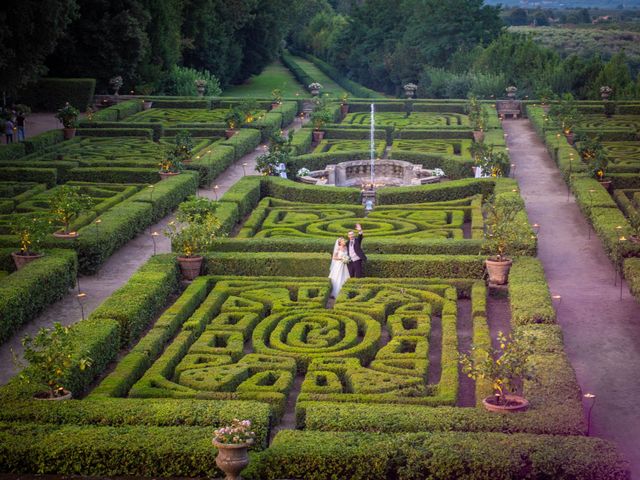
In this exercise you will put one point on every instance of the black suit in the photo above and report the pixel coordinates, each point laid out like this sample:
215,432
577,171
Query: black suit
355,267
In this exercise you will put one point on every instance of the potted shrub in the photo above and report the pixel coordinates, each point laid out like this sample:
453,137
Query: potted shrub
503,367
232,442
567,115
593,154
50,356
194,230
502,234
488,162
344,105
234,120
183,146
545,94
319,118
276,95
276,160
410,89
68,116
32,231
66,204
146,90
171,163
478,117
315,88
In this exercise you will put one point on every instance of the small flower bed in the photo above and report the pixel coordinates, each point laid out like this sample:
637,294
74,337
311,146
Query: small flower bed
237,433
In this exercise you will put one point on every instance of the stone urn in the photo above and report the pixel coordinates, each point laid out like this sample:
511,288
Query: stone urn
232,458
511,92
190,266
23,260
146,104
315,92
318,135
498,270
515,403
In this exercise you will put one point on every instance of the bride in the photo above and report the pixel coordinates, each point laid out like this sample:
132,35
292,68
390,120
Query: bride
339,272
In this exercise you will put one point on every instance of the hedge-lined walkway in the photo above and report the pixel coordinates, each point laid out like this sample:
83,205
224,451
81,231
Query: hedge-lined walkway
117,269
601,332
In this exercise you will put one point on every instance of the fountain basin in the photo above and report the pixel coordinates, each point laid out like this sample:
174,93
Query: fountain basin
357,173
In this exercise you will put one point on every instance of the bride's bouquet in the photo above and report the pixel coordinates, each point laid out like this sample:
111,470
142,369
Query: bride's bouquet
345,259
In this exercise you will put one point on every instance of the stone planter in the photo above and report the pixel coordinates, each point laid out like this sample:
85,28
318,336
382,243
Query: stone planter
318,135
165,175
515,403
66,235
498,271
22,260
190,267
315,92
45,396
201,89
146,105
546,108
69,133
409,93
230,132
478,136
232,458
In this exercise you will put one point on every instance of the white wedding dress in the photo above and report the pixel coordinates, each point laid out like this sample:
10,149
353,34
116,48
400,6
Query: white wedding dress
339,273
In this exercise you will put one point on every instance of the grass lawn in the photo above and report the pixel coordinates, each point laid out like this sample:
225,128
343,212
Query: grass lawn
328,86
274,76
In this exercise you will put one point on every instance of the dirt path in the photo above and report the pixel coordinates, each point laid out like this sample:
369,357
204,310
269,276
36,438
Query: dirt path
601,332
118,268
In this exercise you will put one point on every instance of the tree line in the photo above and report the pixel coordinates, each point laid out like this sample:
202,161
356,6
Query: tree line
450,49
143,41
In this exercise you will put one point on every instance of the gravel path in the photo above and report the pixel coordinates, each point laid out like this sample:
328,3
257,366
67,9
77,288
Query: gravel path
601,331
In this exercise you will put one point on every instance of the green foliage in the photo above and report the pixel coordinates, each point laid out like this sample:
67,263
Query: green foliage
632,275
67,203
31,230
502,231
593,154
49,356
49,93
68,115
565,113
493,163
181,81
195,236
25,293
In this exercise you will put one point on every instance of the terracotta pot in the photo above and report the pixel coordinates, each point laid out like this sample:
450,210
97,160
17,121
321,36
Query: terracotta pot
65,235
190,267
275,105
45,396
570,138
606,184
69,133
478,136
344,109
22,260
498,271
230,132
318,135
232,458
634,238
546,108
165,175
146,105
515,403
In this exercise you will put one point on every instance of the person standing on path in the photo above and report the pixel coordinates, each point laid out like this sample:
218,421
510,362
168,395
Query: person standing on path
20,118
8,131
356,254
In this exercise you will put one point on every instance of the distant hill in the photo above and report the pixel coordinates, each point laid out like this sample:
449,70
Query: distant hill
604,4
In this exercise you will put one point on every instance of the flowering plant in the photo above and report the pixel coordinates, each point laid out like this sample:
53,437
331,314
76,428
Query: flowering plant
303,172
68,115
412,87
438,172
315,86
237,433
345,259
606,90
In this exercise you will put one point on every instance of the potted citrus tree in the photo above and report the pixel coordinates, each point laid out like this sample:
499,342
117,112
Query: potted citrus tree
66,204
234,120
192,233
344,104
171,164
50,356
319,118
592,152
502,235
233,442
491,163
31,231
503,367
276,98
567,115
478,117
68,116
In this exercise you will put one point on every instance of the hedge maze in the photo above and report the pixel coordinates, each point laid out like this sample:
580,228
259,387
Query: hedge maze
280,218
413,120
174,116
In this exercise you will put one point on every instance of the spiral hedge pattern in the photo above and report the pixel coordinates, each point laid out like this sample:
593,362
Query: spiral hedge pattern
249,337
172,116
458,147
273,218
617,122
623,153
414,120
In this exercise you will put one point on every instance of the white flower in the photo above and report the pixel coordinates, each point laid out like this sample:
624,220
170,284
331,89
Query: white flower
303,172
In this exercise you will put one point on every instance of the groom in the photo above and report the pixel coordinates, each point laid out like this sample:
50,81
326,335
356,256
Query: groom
356,254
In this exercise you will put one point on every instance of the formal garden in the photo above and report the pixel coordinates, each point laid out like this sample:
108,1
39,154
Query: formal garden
196,199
